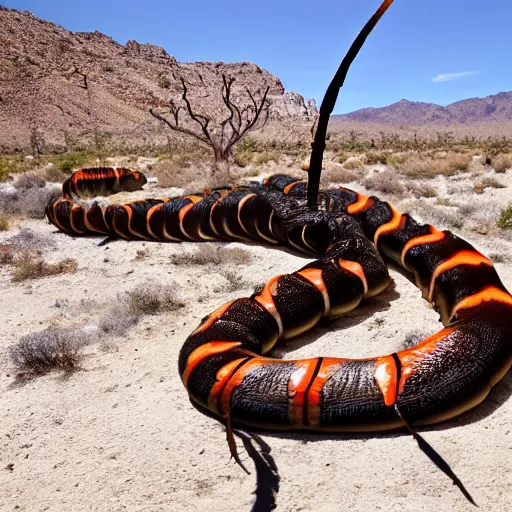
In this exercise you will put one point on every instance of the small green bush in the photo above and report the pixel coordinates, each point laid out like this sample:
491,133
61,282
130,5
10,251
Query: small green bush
505,220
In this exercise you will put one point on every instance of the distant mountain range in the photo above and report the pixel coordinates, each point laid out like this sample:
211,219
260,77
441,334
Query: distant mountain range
492,109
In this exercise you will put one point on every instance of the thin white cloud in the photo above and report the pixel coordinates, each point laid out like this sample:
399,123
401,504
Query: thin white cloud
446,77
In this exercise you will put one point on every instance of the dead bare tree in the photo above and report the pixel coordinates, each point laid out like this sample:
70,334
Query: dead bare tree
219,134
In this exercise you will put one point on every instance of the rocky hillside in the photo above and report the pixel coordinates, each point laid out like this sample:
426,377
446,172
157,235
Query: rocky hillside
492,109
68,87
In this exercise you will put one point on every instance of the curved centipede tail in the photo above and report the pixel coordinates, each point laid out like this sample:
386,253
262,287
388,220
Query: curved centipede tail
102,181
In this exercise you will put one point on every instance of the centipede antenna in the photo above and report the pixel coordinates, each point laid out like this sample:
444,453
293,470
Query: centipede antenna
232,445
328,103
106,241
431,453
267,476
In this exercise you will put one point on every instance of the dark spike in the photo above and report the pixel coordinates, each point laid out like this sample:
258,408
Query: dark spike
327,106
436,458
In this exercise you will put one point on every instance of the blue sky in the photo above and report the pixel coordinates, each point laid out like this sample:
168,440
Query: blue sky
436,51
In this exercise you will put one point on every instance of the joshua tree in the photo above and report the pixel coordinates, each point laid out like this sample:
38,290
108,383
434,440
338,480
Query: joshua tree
221,132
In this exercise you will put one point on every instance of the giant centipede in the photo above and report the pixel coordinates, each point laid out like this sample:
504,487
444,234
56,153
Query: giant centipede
223,362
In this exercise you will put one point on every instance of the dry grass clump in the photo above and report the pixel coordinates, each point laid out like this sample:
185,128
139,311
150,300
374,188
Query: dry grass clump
194,178
6,255
339,175
355,162
48,350
502,162
210,253
29,267
53,174
29,180
29,202
387,182
4,222
443,163
376,157
117,320
423,191
505,220
484,183
152,298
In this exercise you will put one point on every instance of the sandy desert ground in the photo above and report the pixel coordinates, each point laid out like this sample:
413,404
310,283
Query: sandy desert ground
121,434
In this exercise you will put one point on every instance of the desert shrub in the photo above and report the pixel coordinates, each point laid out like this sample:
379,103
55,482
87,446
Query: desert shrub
29,180
164,82
505,220
210,253
29,267
446,164
242,158
266,156
68,162
15,164
29,202
6,255
502,162
339,175
484,183
54,174
387,182
373,158
4,222
235,282
48,350
424,191
117,320
171,173
151,298
354,163
107,69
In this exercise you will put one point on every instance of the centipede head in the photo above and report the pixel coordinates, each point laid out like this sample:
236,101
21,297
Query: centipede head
132,181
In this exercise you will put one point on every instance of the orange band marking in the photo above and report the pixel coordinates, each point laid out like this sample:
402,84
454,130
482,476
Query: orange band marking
266,299
289,187
362,204
386,376
329,367
354,268
464,257
236,378
203,352
213,317
389,227
222,376
298,383
434,236
314,276
488,294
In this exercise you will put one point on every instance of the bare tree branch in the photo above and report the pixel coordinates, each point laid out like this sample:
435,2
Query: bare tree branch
240,120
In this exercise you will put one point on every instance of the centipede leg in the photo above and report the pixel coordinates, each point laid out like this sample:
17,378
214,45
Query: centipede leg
432,454
232,445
